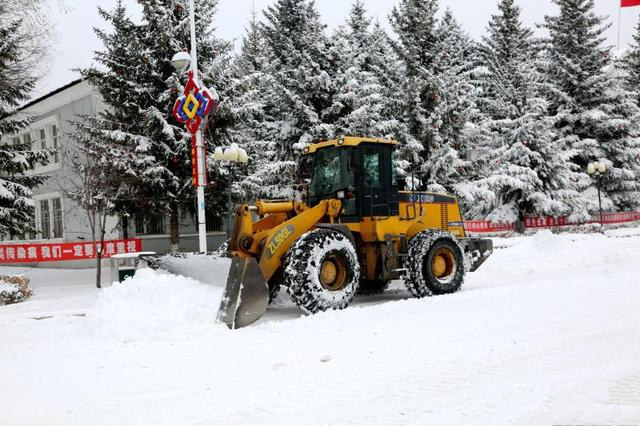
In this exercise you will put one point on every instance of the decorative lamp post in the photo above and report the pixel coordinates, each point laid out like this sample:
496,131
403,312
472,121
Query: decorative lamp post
597,170
233,154
191,109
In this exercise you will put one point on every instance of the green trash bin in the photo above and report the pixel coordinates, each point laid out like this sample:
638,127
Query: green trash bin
124,265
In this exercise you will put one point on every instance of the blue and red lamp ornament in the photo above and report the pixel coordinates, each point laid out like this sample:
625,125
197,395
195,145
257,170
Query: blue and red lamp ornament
190,109
194,105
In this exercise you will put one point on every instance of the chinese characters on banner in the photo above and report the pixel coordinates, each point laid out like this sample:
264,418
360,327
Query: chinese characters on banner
194,163
35,252
484,226
549,222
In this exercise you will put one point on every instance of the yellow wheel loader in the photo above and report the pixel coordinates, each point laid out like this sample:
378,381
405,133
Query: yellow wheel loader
355,232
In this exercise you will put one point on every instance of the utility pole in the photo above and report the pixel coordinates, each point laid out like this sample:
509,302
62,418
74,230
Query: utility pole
202,223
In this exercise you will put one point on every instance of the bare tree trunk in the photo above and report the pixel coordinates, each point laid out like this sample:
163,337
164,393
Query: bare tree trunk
174,229
125,227
99,253
103,225
519,228
99,266
97,249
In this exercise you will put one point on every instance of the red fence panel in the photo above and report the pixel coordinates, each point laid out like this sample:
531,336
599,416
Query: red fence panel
480,226
51,252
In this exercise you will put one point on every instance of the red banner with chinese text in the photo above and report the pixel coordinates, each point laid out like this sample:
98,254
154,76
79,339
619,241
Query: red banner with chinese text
195,179
484,226
194,161
52,252
480,226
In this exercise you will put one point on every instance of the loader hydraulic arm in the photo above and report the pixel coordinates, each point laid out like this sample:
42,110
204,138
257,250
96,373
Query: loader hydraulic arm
281,224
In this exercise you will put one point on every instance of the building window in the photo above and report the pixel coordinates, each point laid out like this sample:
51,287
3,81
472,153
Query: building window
139,225
45,219
49,218
57,217
372,166
43,139
45,135
214,222
26,139
56,144
32,224
156,224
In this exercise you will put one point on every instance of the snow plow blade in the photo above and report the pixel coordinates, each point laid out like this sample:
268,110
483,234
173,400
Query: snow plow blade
478,251
246,296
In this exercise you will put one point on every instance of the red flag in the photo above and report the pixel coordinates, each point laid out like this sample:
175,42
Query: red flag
629,3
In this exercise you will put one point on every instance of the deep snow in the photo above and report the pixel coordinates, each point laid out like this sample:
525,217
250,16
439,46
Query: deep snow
546,332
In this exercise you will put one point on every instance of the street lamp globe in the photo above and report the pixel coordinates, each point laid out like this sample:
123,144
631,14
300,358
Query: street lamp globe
231,154
602,167
181,61
591,168
218,154
242,156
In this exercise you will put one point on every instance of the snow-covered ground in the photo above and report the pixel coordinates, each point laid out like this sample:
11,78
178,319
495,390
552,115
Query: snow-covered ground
546,332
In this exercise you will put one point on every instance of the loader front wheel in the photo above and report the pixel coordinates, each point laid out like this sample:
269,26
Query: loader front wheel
274,285
436,264
322,271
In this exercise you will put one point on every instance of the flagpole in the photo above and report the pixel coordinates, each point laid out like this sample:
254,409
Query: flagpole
619,23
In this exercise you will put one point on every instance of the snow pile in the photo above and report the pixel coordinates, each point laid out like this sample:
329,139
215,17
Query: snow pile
9,293
206,268
154,306
14,289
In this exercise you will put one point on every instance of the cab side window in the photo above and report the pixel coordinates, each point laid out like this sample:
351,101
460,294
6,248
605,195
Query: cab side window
372,166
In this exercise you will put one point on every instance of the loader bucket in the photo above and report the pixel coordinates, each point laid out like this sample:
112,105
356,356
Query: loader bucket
246,296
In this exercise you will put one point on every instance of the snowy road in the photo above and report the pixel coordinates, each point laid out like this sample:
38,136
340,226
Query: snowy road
546,332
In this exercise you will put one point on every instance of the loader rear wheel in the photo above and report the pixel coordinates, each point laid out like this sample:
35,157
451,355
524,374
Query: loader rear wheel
436,264
321,271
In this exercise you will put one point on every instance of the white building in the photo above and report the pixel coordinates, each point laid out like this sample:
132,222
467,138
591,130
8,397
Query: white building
58,219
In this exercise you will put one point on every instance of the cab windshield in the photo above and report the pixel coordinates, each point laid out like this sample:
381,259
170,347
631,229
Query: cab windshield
330,172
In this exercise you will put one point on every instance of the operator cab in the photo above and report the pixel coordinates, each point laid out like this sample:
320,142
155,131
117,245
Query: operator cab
359,171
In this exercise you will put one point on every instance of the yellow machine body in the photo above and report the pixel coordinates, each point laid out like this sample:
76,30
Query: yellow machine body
264,233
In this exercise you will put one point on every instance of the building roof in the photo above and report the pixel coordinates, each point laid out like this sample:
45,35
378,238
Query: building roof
48,95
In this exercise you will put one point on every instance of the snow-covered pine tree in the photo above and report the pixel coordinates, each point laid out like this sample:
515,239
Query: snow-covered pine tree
594,114
124,85
359,105
16,156
139,86
414,22
526,167
630,64
439,94
388,68
253,103
630,67
456,105
507,53
166,183
298,57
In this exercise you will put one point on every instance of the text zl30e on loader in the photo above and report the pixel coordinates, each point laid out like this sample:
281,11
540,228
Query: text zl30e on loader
355,233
